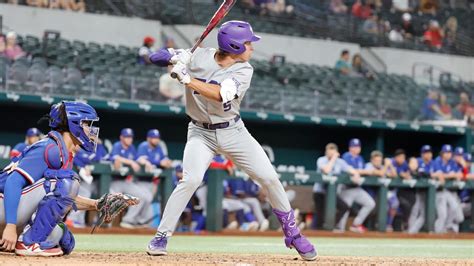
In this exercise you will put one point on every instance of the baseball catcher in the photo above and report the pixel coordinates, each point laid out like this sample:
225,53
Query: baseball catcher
38,188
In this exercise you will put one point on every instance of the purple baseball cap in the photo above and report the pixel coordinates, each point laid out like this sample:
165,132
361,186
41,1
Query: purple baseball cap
355,143
426,148
153,133
447,148
126,132
33,132
459,151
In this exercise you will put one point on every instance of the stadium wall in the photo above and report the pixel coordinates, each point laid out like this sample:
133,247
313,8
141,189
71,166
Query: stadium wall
86,27
462,66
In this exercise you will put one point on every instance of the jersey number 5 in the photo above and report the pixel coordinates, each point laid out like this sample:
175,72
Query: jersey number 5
227,106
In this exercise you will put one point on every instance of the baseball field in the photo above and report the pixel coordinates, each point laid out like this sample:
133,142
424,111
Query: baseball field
256,250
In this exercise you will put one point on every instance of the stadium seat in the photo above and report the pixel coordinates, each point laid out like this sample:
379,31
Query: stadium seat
36,78
55,79
17,76
72,82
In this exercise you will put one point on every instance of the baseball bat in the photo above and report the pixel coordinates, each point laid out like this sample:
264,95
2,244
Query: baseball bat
216,18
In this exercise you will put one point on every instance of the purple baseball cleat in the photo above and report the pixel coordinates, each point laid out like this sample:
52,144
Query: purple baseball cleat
293,237
157,246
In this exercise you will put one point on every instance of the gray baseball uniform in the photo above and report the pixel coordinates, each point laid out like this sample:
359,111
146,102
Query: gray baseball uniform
417,215
449,211
349,195
233,141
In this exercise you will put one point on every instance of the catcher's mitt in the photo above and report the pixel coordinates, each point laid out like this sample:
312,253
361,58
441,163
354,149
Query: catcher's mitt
112,204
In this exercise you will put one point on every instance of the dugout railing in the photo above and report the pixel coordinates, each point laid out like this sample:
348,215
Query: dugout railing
215,192
103,173
382,185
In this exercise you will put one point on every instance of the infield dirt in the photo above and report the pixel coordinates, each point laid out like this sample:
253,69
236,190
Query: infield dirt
92,259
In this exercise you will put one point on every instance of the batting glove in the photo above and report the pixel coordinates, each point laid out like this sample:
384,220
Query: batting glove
180,55
181,73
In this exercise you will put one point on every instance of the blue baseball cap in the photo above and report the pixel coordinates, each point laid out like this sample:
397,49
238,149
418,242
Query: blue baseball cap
447,148
126,132
153,133
33,132
459,151
178,168
467,157
426,148
354,143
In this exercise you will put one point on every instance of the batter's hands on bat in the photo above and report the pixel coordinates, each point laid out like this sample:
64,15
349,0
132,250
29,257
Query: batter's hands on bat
9,237
181,55
181,73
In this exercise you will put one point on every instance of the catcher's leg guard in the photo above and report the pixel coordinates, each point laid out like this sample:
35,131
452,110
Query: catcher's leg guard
52,210
67,241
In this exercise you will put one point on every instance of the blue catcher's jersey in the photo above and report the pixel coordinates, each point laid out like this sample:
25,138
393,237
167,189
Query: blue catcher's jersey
48,153
356,162
153,154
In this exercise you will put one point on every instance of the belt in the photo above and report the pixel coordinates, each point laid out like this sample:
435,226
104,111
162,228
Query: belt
217,125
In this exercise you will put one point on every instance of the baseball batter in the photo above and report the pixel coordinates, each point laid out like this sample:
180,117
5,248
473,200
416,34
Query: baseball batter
216,81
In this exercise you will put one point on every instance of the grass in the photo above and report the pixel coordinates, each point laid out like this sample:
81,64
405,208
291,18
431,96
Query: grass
417,248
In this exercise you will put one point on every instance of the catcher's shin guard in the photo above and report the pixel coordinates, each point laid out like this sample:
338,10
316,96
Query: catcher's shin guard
53,208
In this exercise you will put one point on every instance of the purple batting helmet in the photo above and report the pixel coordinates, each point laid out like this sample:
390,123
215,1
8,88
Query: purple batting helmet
233,34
